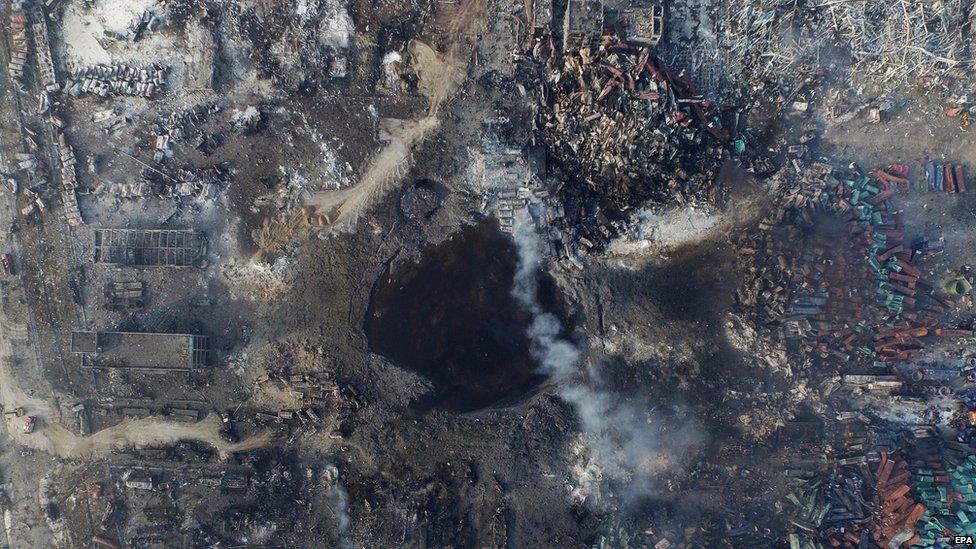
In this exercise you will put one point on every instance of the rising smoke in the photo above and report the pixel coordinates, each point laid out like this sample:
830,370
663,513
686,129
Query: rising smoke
340,507
557,356
627,441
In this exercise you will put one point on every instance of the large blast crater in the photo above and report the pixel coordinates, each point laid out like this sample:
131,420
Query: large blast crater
453,319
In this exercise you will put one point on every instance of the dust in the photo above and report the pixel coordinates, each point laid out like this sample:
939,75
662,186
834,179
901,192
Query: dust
276,233
256,280
662,231
623,439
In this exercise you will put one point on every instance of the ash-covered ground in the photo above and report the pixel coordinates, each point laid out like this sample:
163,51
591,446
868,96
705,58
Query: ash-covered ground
486,273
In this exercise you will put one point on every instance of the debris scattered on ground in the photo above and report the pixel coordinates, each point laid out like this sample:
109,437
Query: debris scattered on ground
487,273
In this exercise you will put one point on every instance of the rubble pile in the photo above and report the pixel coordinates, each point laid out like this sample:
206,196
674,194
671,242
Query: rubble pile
302,45
20,46
318,395
146,23
118,79
205,182
110,121
899,500
623,128
930,483
69,182
29,163
42,51
834,277
824,504
860,303
943,478
963,481
38,188
37,176
895,524
125,191
887,41
966,430
765,298
30,18
510,202
178,125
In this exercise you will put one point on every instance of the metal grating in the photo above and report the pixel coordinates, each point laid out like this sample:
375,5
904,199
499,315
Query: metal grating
199,355
138,247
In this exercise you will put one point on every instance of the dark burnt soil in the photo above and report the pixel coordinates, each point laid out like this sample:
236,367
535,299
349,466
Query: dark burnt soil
439,479
453,319
698,379
283,141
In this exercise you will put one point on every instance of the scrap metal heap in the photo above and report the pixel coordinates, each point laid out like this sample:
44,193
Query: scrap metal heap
177,126
854,506
887,41
118,79
833,277
206,183
918,496
622,128
644,26
864,302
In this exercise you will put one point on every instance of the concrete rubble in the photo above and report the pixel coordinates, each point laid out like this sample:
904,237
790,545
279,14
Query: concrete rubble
575,273
118,79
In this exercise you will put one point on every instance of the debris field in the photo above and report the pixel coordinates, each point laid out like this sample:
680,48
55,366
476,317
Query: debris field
487,273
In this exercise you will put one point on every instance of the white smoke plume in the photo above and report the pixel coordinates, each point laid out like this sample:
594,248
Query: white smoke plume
624,440
557,356
340,506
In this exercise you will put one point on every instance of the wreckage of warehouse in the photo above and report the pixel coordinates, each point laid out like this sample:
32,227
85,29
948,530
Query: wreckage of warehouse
544,273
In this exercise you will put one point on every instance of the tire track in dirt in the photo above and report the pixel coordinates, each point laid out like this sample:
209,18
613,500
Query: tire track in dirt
52,437
439,75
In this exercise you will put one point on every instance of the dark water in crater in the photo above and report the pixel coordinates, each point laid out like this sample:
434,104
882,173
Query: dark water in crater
452,318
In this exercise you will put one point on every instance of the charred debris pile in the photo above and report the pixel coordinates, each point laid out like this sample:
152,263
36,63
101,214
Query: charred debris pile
621,130
882,42
911,498
835,280
855,293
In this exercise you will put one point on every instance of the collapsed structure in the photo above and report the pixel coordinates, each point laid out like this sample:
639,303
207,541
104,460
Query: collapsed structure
806,350
141,351
148,247
624,130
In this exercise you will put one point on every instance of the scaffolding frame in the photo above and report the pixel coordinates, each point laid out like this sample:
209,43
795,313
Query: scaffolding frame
147,247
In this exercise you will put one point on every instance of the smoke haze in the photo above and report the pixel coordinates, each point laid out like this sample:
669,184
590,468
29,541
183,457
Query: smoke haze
625,438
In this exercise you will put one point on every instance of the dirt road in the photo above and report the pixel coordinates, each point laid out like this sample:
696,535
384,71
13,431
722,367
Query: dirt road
440,75
52,437
138,433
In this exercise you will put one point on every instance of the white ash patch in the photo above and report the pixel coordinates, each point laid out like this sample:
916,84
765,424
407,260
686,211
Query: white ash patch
658,233
97,35
336,27
245,117
255,280
83,29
